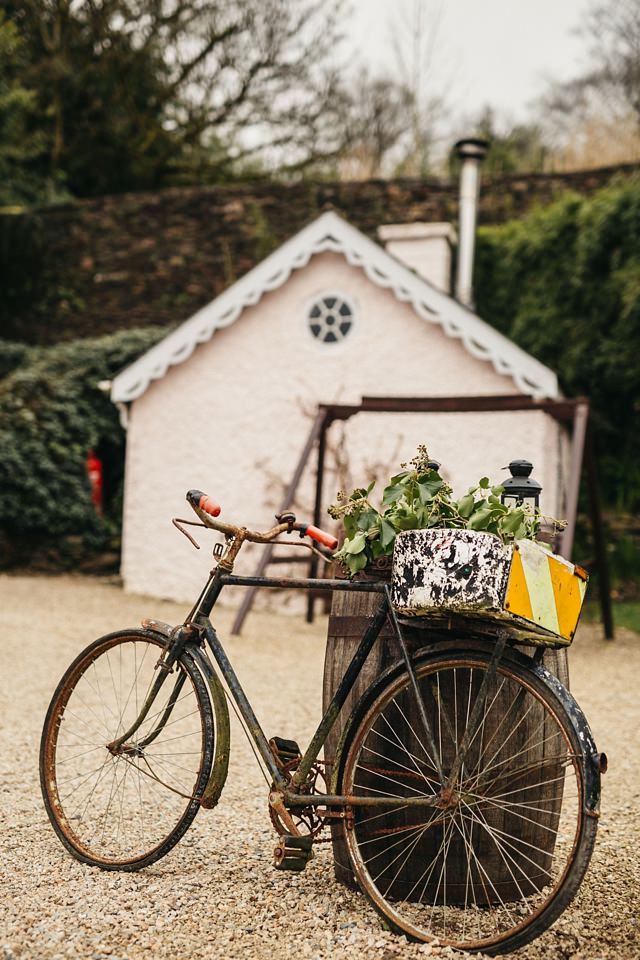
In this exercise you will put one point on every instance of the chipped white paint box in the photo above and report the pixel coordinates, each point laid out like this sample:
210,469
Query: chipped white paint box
440,573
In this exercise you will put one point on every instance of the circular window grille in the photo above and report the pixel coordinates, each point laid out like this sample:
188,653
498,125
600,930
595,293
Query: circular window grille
330,319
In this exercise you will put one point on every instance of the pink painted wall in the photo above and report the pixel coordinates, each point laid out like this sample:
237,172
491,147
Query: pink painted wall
232,420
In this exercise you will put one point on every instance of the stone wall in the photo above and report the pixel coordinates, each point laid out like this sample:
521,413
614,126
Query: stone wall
95,266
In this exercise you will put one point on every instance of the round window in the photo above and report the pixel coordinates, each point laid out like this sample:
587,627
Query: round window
330,319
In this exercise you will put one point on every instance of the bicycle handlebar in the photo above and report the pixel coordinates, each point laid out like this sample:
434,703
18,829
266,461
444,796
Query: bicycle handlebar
207,509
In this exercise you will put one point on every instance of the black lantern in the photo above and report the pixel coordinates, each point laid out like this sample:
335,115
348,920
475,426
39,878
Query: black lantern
521,486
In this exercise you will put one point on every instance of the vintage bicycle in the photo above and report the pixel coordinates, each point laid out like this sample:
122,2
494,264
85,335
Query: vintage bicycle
458,825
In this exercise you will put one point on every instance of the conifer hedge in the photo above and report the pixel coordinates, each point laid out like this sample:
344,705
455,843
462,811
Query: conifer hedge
564,283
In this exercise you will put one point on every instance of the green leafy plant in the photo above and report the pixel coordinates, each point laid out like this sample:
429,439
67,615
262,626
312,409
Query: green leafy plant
418,498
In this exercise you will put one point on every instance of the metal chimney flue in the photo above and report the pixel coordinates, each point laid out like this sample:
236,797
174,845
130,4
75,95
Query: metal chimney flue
471,152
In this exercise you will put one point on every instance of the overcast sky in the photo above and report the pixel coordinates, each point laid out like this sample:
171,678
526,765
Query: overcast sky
498,51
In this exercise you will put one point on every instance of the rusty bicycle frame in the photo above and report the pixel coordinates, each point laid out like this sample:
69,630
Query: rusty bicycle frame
198,630
197,633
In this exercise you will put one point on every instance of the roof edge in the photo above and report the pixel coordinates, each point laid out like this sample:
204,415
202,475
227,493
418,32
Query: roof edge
330,233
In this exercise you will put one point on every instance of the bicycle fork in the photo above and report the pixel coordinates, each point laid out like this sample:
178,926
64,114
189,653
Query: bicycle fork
177,639
176,642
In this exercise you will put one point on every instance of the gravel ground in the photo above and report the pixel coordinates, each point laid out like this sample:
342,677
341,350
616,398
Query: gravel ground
216,895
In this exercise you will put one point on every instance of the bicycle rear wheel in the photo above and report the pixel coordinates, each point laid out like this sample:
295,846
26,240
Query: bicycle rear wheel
490,864
124,810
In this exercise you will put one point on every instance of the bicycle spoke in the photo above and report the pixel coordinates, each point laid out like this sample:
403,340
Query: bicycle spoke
382,776
397,743
166,770
507,859
468,844
485,877
402,766
529,786
506,838
77,756
408,836
182,736
76,775
390,831
99,698
100,736
510,777
158,713
385,793
412,845
84,779
428,871
505,719
414,734
409,843
91,793
509,808
98,694
527,748
385,813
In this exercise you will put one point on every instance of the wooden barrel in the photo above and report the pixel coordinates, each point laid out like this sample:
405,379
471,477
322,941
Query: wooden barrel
347,622
350,613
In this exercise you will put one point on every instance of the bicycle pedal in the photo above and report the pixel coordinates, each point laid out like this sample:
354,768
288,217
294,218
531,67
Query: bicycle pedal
292,853
285,750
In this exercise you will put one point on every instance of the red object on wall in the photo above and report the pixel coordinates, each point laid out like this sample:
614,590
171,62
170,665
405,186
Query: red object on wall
94,472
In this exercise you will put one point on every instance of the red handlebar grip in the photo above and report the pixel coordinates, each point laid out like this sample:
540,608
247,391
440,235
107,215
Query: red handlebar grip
324,538
209,506
200,500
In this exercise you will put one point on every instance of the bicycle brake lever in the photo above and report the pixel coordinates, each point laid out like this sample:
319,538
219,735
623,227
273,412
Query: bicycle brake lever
177,521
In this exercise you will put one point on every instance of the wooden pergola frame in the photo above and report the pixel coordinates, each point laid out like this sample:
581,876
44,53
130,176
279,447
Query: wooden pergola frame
573,413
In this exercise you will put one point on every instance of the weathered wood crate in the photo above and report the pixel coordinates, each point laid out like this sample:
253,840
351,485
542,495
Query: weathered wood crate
437,573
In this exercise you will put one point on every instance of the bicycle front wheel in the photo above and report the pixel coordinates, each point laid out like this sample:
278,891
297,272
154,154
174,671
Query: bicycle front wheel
490,861
124,809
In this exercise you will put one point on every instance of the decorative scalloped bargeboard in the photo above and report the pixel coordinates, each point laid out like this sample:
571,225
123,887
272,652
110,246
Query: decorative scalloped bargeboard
331,234
442,573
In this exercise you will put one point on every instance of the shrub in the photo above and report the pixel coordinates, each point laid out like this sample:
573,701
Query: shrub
564,283
52,413
12,355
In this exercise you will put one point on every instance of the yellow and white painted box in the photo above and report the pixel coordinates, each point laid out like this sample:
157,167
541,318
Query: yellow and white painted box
466,572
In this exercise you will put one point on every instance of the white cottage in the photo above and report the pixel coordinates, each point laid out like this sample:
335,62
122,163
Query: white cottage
224,403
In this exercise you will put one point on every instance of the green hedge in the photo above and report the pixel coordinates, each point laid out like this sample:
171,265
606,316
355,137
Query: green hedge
564,283
12,356
52,413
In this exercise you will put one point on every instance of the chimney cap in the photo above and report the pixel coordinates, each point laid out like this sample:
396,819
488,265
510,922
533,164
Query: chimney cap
471,148
416,230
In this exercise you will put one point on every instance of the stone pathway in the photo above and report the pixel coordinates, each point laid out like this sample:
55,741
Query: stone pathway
216,895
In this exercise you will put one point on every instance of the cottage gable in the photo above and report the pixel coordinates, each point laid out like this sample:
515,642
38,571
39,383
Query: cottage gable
331,234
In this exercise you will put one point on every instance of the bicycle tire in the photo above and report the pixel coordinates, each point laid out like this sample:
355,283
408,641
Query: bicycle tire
461,839
132,808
